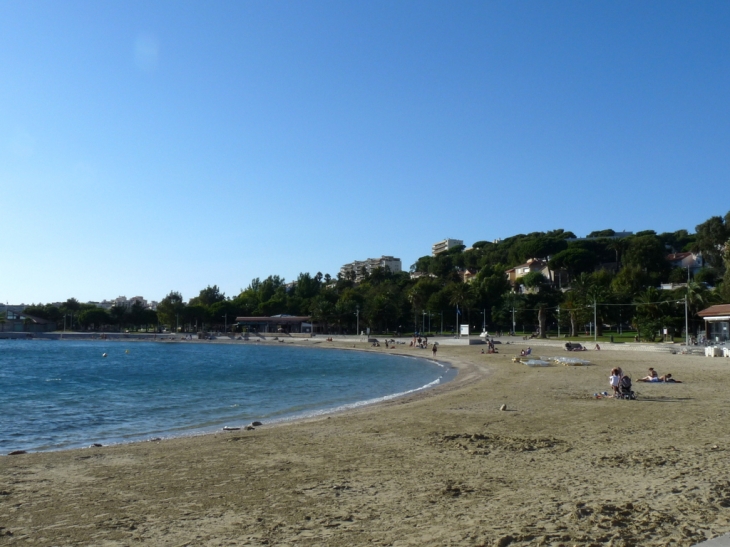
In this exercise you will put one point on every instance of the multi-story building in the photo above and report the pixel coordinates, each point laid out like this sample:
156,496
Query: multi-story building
443,246
359,266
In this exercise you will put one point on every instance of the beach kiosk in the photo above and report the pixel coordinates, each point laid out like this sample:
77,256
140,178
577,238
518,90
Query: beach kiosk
276,324
717,323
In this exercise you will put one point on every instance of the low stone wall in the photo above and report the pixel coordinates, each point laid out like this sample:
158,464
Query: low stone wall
605,346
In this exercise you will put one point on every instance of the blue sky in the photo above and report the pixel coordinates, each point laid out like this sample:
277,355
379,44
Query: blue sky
156,146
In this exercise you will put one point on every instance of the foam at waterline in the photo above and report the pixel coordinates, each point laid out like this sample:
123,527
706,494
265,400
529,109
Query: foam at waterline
359,404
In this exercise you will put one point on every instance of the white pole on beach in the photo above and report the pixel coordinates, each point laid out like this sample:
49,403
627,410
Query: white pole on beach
686,322
558,321
595,325
686,315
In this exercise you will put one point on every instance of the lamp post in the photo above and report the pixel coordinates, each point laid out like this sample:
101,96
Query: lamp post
423,321
357,328
686,322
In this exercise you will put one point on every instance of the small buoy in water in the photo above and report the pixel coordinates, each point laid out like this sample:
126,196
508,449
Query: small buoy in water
126,351
103,354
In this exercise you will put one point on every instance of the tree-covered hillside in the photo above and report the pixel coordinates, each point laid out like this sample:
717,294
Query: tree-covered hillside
614,277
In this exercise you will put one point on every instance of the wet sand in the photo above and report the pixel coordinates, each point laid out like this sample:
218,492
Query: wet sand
446,467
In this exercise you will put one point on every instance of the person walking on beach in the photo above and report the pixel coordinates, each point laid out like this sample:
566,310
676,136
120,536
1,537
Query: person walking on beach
434,349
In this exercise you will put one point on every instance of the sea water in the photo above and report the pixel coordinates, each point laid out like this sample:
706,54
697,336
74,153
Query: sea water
65,394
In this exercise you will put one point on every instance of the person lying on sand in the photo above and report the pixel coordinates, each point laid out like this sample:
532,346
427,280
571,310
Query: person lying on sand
651,377
668,378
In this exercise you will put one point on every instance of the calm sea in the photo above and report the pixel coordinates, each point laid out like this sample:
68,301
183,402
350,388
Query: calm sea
64,394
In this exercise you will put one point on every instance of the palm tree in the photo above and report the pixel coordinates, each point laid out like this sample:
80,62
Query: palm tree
573,305
511,303
648,313
415,297
460,296
619,246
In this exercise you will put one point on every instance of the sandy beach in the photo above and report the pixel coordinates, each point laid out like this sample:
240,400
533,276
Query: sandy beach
446,467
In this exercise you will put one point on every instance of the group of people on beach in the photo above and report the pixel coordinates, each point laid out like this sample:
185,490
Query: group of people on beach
618,378
490,346
654,377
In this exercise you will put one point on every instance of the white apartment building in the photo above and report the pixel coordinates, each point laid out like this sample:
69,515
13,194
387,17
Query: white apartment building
390,262
445,245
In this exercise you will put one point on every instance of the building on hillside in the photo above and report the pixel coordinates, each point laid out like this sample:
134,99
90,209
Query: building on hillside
532,265
358,267
554,277
276,324
467,275
124,302
717,323
418,275
444,245
616,235
693,261
290,287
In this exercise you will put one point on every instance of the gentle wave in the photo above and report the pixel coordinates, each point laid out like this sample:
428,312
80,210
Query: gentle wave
165,390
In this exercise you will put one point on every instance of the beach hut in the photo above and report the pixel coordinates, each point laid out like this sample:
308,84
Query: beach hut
717,323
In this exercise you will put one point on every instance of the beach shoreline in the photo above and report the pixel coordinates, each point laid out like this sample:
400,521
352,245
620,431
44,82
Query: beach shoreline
448,373
441,467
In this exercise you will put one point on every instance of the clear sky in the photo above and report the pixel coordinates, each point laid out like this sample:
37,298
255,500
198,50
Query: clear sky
167,145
